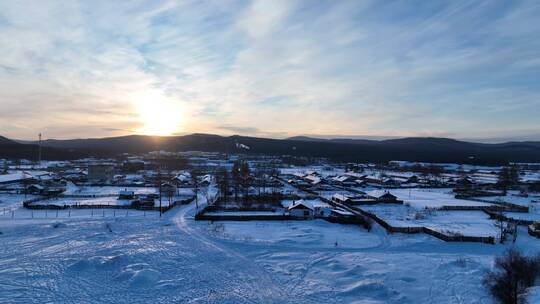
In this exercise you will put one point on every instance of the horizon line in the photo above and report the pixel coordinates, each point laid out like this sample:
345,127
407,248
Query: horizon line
492,140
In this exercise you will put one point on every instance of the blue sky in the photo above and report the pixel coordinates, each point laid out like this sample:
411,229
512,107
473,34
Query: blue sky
461,69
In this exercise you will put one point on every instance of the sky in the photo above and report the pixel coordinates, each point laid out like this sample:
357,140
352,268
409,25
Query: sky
459,69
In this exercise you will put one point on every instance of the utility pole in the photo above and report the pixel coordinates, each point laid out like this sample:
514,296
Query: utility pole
39,151
159,181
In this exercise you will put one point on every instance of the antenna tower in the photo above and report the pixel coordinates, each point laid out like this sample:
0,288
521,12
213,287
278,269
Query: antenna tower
39,151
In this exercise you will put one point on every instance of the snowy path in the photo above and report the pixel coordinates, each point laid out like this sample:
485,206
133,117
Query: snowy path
265,286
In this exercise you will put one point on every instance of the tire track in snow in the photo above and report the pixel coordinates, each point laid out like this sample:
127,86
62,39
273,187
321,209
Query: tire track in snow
266,283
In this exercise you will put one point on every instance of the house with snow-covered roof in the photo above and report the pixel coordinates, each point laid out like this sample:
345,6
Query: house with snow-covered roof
382,196
313,179
183,178
14,178
301,209
345,180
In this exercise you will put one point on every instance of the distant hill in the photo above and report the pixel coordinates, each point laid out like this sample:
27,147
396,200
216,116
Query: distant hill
6,141
360,150
11,149
306,138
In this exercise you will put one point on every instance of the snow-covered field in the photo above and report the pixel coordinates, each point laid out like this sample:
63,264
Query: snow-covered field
468,223
106,190
315,234
68,201
514,198
247,213
323,170
432,198
108,201
523,216
12,202
142,258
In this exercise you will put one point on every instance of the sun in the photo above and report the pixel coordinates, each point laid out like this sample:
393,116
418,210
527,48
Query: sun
159,115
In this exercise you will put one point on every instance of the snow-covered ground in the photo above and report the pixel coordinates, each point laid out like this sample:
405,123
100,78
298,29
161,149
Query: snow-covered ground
468,223
108,201
523,216
247,213
303,234
432,198
142,258
68,201
322,170
11,202
106,190
514,198
396,215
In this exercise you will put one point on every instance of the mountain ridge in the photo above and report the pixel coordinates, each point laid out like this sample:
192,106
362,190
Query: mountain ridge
428,149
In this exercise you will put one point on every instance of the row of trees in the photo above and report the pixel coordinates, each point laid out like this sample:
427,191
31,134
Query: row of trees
241,178
508,177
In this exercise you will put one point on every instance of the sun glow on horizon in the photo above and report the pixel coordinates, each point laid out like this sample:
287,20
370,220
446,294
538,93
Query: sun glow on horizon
159,115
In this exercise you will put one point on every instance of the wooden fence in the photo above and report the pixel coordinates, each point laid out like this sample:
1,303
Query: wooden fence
468,208
416,229
509,206
212,217
426,230
498,216
28,204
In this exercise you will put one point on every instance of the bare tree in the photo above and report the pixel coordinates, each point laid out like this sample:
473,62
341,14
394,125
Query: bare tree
500,223
169,191
236,178
274,173
513,274
245,178
195,181
222,180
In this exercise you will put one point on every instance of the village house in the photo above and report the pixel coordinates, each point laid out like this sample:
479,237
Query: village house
15,178
346,181
182,179
47,187
382,196
379,181
313,179
349,199
205,180
301,209
126,194
35,189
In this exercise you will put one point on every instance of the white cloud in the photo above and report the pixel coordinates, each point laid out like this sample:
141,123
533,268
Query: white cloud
278,67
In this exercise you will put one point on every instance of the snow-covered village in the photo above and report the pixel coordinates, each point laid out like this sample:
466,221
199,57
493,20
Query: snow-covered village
237,228
270,151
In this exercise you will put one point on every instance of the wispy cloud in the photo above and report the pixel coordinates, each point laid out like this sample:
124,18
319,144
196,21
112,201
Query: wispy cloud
82,68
